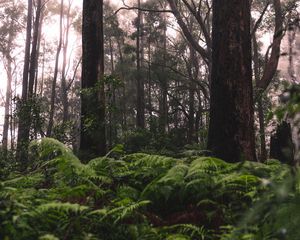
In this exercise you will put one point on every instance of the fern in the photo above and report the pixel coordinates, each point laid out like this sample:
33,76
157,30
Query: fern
62,207
186,230
48,237
206,165
126,210
147,197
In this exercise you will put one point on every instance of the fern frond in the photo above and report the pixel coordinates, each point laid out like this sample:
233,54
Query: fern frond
48,237
206,165
62,207
190,230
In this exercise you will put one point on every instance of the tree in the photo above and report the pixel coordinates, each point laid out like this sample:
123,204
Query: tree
53,89
140,104
231,129
24,116
93,136
262,81
9,30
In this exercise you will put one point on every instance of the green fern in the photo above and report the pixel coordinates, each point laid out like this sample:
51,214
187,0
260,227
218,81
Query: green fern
48,237
62,207
126,209
186,230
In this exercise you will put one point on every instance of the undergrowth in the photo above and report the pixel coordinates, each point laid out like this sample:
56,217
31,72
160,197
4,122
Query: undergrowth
145,197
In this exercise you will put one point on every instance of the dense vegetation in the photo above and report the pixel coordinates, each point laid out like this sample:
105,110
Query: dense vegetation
170,131
142,196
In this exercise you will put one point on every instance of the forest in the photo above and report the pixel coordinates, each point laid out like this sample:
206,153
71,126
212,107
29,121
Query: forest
149,119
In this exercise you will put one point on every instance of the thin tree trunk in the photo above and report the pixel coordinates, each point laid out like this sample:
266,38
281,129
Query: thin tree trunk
34,51
163,120
7,101
41,91
34,65
124,111
64,90
9,73
111,115
24,115
149,77
261,118
53,90
38,51
140,116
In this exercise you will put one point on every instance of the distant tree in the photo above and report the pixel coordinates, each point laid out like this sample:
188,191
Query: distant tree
29,76
8,34
265,72
55,76
93,129
140,104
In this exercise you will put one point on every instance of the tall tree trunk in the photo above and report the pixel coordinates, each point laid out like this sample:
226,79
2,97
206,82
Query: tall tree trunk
163,107
93,126
34,57
24,114
261,117
193,75
124,111
140,115
112,116
64,90
149,77
270,68
41,90
231,130
7,105
53,89
34,50
9,74
40,30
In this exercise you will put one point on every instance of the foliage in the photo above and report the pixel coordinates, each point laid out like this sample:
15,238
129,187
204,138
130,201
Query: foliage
142,196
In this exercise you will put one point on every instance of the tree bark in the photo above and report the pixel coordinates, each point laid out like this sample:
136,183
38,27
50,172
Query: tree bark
93,126
231,130
140,108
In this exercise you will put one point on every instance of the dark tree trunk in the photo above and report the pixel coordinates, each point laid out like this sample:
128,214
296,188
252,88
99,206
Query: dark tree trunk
40,30
231,130
163,106
93,136
140,108
282,147
24,114
149,78
35,47
193,75
124,110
